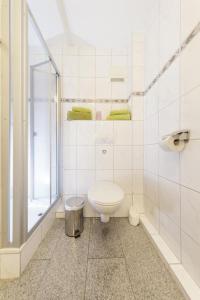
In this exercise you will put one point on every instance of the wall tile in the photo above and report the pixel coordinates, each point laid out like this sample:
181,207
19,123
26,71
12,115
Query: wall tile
138,78
169,29
69,157
152,212
137,108
123,157
104,157
190,213
190,65
87,88
190,165
123,133
169,165
169,199
169,85
190,257
85,133
104,130
119,51
103,51
170,232
137,182
151,187
85,157
189,21
70,87
125,179
103,88
69,133
69,182
171,113
151,158
151,129
138,53
119,60
70,66
138,157
190,107
70,50
106,175
86,50
85,179
103,65
87,66
119,90
138,133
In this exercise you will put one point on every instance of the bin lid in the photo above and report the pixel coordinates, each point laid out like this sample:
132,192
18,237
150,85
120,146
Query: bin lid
74,203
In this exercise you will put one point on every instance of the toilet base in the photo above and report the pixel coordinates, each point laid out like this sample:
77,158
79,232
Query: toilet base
104,218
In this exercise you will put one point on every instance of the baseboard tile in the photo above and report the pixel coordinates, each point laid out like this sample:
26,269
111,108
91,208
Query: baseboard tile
189,288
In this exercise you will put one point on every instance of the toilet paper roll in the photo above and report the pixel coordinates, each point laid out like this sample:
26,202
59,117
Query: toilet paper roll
168,144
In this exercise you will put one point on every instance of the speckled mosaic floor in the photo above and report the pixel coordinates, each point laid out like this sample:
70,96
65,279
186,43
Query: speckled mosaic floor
113,261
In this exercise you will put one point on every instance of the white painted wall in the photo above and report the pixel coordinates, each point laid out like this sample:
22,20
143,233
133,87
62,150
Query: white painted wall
171,180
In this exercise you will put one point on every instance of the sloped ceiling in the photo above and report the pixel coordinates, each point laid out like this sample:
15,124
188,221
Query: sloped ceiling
105,23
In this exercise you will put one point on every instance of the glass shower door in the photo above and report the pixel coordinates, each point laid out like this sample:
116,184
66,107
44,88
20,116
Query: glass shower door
43,141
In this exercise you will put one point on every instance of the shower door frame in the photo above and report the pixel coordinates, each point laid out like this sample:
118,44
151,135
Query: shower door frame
19,64
33,68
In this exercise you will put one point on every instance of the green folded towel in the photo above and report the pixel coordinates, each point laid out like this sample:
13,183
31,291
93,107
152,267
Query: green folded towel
119,112
81,109
72,115
119,117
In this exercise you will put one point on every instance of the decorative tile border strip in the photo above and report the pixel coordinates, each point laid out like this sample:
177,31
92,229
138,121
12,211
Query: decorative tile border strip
94,100
177,53
78,100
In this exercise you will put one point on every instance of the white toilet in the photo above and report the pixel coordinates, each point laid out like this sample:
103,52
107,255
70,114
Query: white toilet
105,197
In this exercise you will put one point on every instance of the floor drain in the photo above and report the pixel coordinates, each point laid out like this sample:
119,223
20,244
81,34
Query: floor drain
40,214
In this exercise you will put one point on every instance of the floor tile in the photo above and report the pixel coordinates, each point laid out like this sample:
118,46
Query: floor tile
64,279
104,240
107,279
148,275
66,274
27,286
48,245
109,261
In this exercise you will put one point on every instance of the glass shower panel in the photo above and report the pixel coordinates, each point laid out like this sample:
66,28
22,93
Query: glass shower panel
40,131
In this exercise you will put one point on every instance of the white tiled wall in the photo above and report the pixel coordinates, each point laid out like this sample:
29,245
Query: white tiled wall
86,74
87,159
171,181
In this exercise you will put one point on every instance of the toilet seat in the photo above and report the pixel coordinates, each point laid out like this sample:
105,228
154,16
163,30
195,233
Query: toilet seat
105,193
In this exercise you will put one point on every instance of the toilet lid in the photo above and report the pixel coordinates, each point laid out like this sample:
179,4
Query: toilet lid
105,193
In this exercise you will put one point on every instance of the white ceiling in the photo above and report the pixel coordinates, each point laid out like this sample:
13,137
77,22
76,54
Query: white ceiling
102,23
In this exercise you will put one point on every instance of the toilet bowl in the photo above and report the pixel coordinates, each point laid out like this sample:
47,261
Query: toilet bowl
105,197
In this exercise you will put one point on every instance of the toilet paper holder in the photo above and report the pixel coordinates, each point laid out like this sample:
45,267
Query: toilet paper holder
175,141
181,135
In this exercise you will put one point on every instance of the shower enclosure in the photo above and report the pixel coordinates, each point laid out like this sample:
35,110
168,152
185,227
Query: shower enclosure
30,116
42,127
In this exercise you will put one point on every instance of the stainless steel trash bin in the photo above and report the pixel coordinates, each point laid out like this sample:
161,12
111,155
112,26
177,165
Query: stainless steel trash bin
74,216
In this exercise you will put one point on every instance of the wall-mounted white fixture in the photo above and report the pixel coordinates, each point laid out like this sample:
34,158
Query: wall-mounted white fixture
175,141
117,73
104,140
